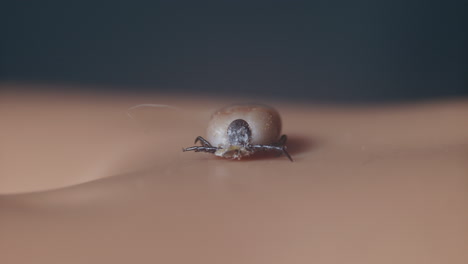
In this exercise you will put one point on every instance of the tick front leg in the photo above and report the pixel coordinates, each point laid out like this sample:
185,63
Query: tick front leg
201,149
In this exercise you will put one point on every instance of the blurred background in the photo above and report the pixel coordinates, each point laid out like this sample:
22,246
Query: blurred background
344,51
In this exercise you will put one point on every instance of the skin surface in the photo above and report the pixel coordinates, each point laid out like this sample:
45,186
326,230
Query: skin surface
81,182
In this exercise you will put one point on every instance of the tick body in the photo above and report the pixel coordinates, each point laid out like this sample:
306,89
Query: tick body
240,130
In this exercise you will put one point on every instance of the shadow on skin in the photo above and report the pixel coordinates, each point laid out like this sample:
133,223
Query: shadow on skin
106,190
300,144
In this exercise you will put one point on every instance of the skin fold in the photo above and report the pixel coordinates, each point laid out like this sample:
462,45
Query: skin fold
82,182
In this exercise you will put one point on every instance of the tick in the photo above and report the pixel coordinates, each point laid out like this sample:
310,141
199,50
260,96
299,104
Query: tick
238,131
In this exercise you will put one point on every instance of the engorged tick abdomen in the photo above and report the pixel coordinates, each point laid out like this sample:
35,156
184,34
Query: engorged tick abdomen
264,123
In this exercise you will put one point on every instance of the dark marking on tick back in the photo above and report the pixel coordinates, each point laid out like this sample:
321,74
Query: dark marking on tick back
239,133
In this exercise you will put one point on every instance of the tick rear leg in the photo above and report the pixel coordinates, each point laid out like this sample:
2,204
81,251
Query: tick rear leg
282,143
281,149
282,140
203,141
205,147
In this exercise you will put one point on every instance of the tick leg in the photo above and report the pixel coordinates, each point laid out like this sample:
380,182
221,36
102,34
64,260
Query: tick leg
282,149
282,140
201,149
282,143
203,141
206,146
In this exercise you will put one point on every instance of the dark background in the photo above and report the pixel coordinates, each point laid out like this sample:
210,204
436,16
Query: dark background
310,50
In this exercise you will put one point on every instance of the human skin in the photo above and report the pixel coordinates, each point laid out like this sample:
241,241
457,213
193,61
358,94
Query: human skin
81,182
